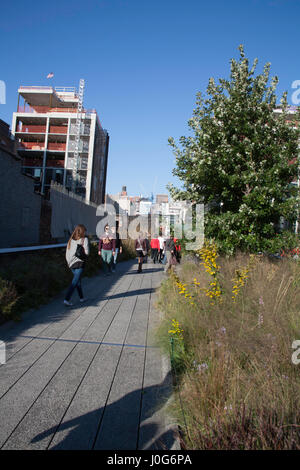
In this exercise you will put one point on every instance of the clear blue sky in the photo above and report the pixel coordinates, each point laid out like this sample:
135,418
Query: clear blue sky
143,62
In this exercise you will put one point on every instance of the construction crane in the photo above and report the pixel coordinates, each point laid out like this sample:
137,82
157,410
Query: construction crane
76,160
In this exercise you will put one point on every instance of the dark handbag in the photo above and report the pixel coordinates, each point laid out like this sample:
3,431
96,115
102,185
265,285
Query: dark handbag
80,253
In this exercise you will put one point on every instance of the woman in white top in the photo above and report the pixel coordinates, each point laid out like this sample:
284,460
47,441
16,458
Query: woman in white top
161,247
76,264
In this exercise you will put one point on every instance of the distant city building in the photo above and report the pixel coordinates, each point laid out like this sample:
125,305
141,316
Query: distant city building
171,214
167,213
124,191
145,207
121,200
45,131
162,198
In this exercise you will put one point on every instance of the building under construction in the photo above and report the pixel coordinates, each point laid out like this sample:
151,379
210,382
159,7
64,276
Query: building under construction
61,141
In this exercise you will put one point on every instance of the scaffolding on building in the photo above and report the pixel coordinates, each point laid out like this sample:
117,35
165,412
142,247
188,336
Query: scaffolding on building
76,160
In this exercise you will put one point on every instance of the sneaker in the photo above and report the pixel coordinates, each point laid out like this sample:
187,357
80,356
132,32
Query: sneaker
82,300
66,302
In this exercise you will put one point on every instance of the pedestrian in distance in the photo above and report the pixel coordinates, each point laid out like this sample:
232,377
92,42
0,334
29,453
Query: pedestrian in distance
177,249
154,248
146,238
161,248
107,246
170,253
164,256
118,247
140,248
76,254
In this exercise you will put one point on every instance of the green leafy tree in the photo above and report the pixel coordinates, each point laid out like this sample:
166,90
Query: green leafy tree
240,160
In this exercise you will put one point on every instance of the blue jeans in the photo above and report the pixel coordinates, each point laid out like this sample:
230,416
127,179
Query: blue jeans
106,258
75,284
115,257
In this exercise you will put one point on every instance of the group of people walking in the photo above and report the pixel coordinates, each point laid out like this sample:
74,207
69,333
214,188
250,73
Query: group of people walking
165,251
161,248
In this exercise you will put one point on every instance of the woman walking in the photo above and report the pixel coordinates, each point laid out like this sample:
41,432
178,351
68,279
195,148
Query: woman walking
76,254
118,249
107,247
140,248
161,248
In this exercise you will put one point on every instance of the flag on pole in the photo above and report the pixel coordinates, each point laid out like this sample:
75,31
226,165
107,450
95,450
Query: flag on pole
50,75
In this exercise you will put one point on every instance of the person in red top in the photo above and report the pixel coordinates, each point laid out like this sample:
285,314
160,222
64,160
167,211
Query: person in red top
178,249
155,247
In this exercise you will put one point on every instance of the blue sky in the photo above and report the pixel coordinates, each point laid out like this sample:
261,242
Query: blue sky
143,62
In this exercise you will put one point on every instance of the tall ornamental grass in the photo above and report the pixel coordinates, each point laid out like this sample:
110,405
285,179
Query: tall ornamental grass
231,349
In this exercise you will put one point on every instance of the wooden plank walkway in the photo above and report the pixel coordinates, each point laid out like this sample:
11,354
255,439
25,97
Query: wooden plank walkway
89,376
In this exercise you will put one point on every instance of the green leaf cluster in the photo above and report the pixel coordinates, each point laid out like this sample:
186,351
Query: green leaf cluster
240,159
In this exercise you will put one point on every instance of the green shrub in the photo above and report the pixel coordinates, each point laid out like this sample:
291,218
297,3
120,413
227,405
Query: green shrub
128,251
8,299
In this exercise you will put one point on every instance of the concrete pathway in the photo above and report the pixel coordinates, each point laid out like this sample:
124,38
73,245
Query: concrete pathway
88,376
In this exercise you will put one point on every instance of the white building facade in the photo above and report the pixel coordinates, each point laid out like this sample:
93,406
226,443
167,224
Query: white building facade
44,127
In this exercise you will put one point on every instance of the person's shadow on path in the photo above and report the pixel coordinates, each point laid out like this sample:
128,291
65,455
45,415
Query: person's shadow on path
118,426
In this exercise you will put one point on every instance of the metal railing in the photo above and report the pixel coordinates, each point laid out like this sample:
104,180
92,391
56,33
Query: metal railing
31,248
58,89
36,88
26,129
94,240
65,89
46,109
31,146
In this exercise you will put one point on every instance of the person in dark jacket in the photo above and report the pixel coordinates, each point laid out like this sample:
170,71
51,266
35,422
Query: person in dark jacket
107,247
118,249
170,252
146,235
140,248
178,249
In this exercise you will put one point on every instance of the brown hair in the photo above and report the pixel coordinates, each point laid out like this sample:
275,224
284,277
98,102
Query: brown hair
79,232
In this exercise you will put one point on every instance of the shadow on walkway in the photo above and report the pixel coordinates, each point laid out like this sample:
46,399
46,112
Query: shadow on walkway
148,270
118,426
129,294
